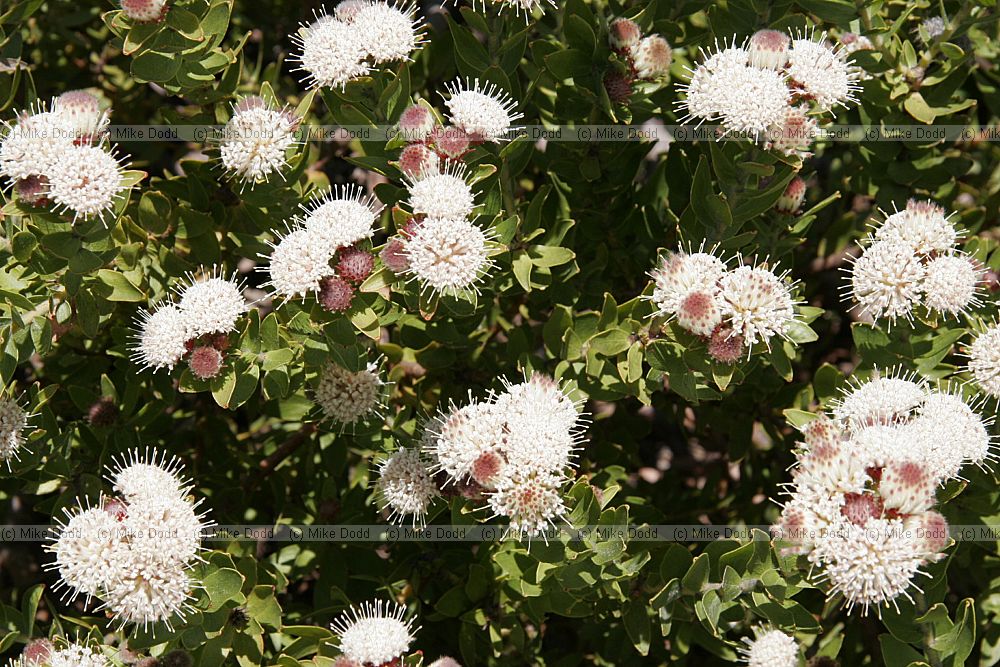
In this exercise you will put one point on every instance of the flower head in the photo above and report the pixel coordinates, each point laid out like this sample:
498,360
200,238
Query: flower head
211,305
348,397
341,217
88,182
756,303
922,225
791,199
73,655
374,634
950,284
442,195
13,423
984,361
35,145
530,501
681,273
485,113
83,112
161,337
794,135
652,57
907,487
387,33
148,474
145,11
725,345
205,362
417,159
700,313
255,140
822,73
457,438
335,294
405,486
448,256
624,33
770,648
416,122
887,280
885,399
355,264
331,53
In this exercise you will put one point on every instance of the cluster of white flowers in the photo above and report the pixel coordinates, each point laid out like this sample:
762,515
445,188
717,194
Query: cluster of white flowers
255,140
516,448
207,309
984,361
302,260
912,261
334,50
772,86
13,422
863,489
742,306
374,633
61,158
349,397
770,648
43,653
135,549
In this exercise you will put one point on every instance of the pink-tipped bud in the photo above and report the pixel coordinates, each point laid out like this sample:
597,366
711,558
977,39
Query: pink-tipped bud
445,661
791,199
416,122
33,190
103,413
652,57
699,313
486,467
451,142
205,362
335,294
248,103
394,257
859,507
355,264
791,527
348,9
417,159
84,112
619,86
623,33
116,508
37,652
769,49
145,11
725,346
794,135
907,487
822,432
931,531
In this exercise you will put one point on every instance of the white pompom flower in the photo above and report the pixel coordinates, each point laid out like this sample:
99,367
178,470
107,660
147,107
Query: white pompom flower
211,305
757,304
349,397
150,597
13,424
770,648
923,225
984,360
530,501
680,273
341,217
726,88
89,552
83,113
950,284
35,144
298,262
405,486
442,195
255,141
822,74
887,281
161,337
447,256
330,53
88,181
374,634
75,655
388,33
148,474
457,438
886,398
485,113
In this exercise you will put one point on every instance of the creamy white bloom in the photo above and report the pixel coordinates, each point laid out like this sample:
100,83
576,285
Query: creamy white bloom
458,437
405,486
256,139
793,136
299,260
87,181
950,284
922,225
150,597
35,145
530,501
175,523
681,273
13,422
822,73
83,113
147,474
447,256
542,426
340,217
726,88
161,337
442,196
984,360
89,552
948,433
486,112
77,655
331,53
886,399
887,280
387,33
756,303
211,305
770,648
907,487
348,397
374,634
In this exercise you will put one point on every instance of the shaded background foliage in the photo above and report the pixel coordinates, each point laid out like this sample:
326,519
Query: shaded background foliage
673,439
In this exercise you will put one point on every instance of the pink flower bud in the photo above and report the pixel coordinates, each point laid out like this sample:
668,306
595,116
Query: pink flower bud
205,362
335,294
416,122
355,264
623,33
791,199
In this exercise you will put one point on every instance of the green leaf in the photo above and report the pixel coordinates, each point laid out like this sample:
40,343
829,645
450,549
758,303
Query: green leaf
638,625
155,67
122,289
221,586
